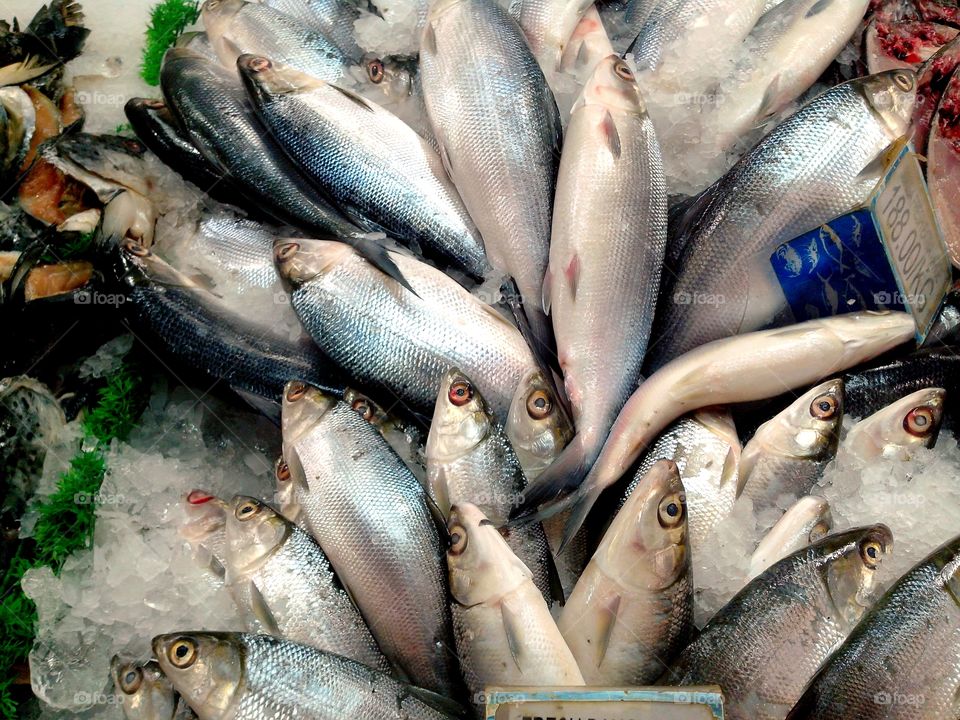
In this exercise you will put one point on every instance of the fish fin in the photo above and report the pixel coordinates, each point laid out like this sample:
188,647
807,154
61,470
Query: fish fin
437,515
428,41
554,583
216,567
445,159
578,515
499,316
440,703
611,134
24,71
876,167
608,623
555,485
511,295
378,256
768,103
511,630
818,8
265,406
545,292
352,96
572,273
261,611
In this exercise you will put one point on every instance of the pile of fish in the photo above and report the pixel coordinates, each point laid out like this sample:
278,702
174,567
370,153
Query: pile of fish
520,376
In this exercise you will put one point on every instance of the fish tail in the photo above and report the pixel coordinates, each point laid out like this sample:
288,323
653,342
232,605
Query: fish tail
555,489
378,256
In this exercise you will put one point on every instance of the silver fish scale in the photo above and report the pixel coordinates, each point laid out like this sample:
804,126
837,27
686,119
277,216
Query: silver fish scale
805,173
700,455
776,475
765,645
263,30
244,247
498,125
286,681
380,171
309,604
386,337
611,222
490,477
902,662
369,514
332,18
212,105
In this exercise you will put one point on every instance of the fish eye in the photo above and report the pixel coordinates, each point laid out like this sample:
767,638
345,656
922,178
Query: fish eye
247,509
904,81
135,248
283,470
670,512
375,71
458,540
920,421
623,70
824,407
460,393
259,64
130,682
183,653
871,552
155,104
296,391
363,408
539,405
287,251
819,531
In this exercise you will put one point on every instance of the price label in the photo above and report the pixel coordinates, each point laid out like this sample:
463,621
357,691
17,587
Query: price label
913,241
605,704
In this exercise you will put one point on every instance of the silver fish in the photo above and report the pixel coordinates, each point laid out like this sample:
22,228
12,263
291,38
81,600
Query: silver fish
903,660
538,425
370,515
379,171
549,26
504,631
608,242
279,575
332,18
736,369
470,460
499,133
387,337
788,49
675,31
896,430
236,27
765,645
807,521
632,609
588,45
242,247
234,676
145,692
817,165
787,454
706,449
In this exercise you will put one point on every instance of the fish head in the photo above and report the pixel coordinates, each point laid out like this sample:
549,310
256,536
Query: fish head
303,406
848,563
612,85
652,525
286,496
894,431
144,691
481,565
266,78
216,15
537,425
864,335
207,669
254,532
461,419
892,95
809,428
299,261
